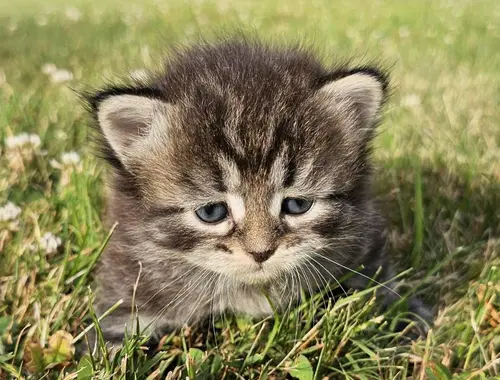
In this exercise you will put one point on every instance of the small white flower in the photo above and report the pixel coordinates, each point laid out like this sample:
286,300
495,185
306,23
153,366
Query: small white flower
9,212
69,163
49,68
70,158
55,164
61,75
16,141
50,242
21,140
73,13
61,135
56,75
34,140
412,100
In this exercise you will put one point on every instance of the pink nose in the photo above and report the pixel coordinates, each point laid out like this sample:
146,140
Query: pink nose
262,256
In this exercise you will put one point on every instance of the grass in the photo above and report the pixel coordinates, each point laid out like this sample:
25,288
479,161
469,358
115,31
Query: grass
439,178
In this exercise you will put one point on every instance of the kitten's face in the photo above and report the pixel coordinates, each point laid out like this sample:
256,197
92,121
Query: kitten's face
252,183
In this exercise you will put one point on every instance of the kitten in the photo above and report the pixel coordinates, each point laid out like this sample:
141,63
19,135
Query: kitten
241,169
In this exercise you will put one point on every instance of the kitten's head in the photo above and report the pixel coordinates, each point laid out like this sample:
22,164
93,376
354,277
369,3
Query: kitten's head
245,160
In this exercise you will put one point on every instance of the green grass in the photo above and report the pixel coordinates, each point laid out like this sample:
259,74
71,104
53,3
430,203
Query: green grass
438,155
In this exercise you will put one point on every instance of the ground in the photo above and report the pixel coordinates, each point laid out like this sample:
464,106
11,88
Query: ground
438,160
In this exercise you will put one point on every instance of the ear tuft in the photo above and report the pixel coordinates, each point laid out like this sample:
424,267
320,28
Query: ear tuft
126,120
361,93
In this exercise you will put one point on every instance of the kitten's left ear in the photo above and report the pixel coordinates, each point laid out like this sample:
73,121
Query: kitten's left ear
357,97
129,123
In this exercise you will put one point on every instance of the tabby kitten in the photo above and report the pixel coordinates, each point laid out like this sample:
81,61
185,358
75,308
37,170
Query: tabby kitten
240,169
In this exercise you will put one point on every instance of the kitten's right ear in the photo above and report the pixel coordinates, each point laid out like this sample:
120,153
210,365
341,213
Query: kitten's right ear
127,122
357,96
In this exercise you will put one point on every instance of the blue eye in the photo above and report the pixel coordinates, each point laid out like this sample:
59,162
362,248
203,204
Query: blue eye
295,206
212,213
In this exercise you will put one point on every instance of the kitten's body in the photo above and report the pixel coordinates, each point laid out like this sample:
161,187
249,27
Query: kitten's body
248,127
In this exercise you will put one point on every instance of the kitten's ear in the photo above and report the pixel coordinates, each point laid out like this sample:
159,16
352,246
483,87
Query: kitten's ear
359,95
127,121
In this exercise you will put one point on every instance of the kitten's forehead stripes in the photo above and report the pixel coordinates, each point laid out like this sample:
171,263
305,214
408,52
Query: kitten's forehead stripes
276,158
247,112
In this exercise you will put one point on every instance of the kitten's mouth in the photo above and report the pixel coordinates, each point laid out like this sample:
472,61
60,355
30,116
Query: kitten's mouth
261,268
258,275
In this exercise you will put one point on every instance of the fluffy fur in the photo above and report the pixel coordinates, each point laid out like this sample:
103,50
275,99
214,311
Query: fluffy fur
247,125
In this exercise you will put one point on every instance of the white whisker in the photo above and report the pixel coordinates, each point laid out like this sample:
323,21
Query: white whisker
166,286
362,275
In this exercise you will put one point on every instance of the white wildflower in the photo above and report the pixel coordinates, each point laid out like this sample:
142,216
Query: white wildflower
73,13
49,68
61,75
9,212
50,242
16,141
21,140
69,163
56,75
61,135
412,100
21,149
34,140
55,164
70,158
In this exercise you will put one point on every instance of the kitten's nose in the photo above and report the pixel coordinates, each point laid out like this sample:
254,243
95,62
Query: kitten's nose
262,256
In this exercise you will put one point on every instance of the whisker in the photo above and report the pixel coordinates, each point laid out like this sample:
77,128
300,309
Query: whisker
212,311
166,286
362,275
295,275
301,270
206,289
180,296
324,282
199,281
330,273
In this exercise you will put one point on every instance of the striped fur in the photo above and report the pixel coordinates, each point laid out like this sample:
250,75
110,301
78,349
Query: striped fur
249,125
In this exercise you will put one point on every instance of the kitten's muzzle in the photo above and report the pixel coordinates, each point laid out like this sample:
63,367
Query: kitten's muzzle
262,256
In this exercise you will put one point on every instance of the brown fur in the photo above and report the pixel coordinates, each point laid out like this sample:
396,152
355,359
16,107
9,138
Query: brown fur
246,124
